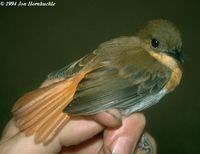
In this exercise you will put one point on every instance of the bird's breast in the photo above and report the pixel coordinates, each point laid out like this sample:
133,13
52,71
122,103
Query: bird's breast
172,64
174,79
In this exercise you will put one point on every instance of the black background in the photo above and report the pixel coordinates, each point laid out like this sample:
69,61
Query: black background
37,40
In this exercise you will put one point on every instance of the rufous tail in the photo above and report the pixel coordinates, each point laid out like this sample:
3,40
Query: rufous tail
40,112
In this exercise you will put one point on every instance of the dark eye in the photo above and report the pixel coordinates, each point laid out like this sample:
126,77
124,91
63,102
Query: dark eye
154,43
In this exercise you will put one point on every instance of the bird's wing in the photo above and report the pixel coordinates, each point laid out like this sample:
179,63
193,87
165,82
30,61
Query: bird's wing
119,83
105,88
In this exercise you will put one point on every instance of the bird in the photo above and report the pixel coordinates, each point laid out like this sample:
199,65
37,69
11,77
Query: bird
128,73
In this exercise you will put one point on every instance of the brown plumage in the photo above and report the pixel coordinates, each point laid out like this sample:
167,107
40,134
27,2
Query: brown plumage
127,73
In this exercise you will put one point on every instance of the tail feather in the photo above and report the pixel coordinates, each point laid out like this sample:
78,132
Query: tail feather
34,98
57,129
36,108
48,130
49,109
40,112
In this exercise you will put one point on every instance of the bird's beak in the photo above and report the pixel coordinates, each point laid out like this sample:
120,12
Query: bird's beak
178,55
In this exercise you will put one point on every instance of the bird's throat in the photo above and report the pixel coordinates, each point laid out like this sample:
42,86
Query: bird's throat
173,65
164,59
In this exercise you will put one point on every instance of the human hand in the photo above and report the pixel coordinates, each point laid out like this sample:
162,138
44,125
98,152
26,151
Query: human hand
81,136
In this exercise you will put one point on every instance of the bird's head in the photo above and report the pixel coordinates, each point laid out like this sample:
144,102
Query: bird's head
162,36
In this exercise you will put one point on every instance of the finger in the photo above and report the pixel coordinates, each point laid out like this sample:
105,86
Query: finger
123,140
76,131
79,129
109,118
10,130
91,146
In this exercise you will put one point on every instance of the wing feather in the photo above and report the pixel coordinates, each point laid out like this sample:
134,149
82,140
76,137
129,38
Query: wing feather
98,93
128,76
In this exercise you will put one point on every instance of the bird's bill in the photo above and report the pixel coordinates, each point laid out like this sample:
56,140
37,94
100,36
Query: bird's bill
177,55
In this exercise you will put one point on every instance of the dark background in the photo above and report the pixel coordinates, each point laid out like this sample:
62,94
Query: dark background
37,40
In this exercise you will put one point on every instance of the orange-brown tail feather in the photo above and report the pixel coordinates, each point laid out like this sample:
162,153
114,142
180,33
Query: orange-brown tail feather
40,112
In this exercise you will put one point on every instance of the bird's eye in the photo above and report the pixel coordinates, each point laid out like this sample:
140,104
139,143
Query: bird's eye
154,43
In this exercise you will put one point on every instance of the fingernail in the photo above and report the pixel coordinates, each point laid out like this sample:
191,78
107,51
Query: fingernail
123,145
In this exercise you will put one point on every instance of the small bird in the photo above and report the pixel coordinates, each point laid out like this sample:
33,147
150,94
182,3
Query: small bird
128,73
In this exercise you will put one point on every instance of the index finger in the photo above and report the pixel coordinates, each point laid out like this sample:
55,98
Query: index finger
123,140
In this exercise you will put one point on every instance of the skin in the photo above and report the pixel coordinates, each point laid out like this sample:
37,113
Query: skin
119,135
